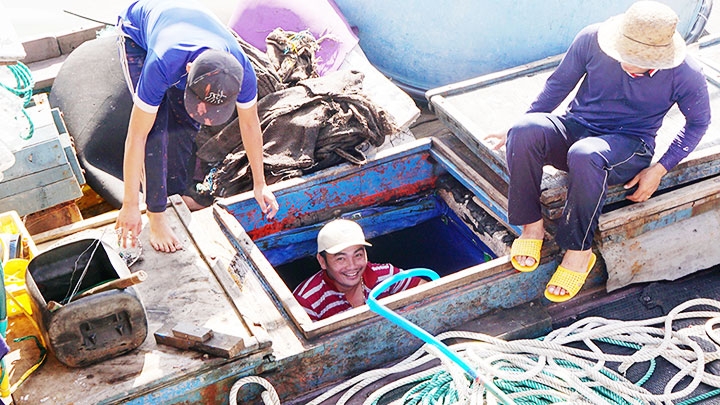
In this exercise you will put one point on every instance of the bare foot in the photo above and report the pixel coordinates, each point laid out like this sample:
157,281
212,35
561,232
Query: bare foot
162,237
191,204
535,230
574,260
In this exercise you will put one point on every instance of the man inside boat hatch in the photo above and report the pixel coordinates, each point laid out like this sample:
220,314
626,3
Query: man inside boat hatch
185,69
633,68
346,277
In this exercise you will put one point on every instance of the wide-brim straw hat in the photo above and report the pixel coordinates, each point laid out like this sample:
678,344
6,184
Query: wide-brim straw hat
644,36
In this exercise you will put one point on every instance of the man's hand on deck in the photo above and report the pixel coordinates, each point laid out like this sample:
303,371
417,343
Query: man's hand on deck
496,140
648,181
128,225
266,199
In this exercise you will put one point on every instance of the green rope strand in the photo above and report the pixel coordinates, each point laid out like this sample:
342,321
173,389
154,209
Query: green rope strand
25,82
700,397
24,90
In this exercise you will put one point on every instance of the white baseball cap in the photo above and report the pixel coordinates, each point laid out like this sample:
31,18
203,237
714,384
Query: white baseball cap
340,234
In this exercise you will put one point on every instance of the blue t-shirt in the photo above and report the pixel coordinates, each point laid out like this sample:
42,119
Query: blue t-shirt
175,32
610,101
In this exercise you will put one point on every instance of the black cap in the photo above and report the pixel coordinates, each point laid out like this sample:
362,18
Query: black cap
212,87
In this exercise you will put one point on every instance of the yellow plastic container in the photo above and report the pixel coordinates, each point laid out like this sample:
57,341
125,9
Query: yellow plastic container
14,270
10,223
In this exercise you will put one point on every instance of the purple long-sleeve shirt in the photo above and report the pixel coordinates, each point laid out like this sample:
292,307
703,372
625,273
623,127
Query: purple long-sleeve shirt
611,101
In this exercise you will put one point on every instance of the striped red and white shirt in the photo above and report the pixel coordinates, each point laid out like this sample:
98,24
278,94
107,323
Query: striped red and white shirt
320,298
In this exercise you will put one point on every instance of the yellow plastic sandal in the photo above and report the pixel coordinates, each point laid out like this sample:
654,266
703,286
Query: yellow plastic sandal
526,247
571,281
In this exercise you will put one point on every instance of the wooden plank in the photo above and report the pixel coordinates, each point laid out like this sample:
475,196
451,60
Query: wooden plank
702,163
666,253
392,173
39,179
42,176
664,238
495,77
245,247
41,49
700,192
462,128
41,198
53,217
68,145
71,229
223,259
493,201
37,158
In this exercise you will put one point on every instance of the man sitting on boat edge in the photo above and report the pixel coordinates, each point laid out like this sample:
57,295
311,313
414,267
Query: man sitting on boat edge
346,277
633,69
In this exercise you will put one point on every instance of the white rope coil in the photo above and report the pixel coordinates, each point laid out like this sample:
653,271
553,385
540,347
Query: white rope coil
567,365
269,396
545,361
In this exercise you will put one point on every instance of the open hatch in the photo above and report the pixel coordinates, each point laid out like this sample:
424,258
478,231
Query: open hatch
419,204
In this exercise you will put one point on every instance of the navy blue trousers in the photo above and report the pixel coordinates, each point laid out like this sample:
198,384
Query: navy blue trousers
170,146
592,161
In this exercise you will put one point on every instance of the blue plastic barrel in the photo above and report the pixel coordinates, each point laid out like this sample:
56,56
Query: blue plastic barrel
423,44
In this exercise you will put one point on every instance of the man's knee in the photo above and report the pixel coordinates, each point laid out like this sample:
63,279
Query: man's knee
584,156
528,130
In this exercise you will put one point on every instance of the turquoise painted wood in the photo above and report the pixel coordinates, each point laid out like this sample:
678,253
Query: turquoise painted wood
46,170
67,145
429,43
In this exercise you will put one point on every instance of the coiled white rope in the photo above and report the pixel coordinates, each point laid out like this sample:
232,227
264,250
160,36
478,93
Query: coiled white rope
568,365
269,396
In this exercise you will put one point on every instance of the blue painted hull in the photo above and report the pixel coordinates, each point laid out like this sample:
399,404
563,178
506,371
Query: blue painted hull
429,43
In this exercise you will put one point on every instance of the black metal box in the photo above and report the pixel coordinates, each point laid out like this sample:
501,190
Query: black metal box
86,330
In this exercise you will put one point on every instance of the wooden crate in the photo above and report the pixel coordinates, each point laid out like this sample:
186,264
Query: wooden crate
46,170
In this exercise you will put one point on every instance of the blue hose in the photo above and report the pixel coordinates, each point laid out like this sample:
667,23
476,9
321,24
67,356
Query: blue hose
420,333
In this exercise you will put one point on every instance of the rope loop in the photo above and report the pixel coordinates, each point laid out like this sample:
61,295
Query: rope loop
269,396
24,90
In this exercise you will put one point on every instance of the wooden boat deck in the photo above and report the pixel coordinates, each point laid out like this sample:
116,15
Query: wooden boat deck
181,287
213,283
222,280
